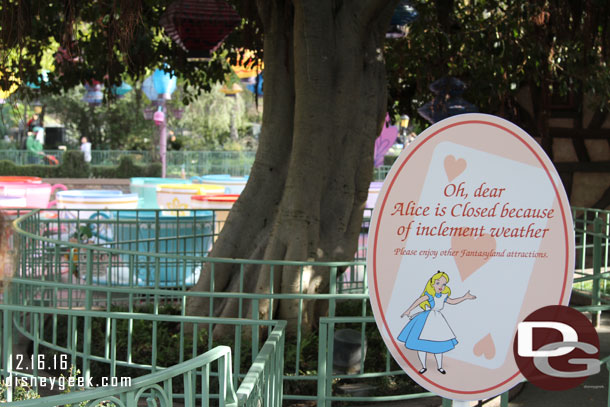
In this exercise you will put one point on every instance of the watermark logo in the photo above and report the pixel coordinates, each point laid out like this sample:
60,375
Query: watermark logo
556,348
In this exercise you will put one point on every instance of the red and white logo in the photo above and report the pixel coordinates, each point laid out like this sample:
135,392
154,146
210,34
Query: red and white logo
556,348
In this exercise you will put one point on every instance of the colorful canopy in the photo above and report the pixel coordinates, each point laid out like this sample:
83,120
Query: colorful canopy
159,83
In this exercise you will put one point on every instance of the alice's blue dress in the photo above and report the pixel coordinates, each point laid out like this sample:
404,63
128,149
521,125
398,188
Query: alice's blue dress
429,331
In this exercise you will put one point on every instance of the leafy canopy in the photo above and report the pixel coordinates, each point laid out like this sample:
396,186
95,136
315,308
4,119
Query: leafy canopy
497,47
106,41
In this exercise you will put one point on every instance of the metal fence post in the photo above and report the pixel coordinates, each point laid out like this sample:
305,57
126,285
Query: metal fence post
504,399
7,351
597,262
322,336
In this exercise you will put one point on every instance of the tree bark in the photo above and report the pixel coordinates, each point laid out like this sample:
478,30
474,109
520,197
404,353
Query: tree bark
324,105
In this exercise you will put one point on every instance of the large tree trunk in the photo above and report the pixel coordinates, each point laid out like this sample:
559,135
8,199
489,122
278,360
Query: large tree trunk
324,104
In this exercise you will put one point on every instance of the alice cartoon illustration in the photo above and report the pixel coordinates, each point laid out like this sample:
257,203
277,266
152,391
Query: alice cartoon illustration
428,331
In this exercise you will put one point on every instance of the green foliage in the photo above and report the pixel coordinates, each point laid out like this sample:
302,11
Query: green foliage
7,145
206,122
74,166
7,119
21,391
389,159
207,119
34,170
126,169
497,48
116,125
79,42
72,163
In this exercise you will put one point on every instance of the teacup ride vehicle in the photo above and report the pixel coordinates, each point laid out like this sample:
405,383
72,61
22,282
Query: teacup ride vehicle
220,204
188,237
176,198
232,185
36,194
146,188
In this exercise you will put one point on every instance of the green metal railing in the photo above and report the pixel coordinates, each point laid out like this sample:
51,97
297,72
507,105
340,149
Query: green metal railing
236,163
261,385
83,282
592,253
49,275
52,347
325,392
381,172
156,387
98,157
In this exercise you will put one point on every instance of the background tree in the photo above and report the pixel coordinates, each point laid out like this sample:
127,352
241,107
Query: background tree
119,125
207,119
549,48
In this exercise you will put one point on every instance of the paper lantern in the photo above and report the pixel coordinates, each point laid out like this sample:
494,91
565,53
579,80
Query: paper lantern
199,26
159,117
164,83
404,14
257,86
42,78
122,90
159,83
248,66
231,91
93,94
447,102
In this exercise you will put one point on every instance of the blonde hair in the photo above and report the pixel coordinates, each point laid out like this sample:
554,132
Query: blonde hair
430,288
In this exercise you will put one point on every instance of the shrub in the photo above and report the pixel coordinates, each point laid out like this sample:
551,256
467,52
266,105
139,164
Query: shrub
126,169
73,165
389,159
34,170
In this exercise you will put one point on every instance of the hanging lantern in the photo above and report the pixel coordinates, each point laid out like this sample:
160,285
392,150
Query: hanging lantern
42,78
159,117
159,83
122,90
403,15
199,26
248,66
93,94
257,86
232,90
448,100
164,83
149,89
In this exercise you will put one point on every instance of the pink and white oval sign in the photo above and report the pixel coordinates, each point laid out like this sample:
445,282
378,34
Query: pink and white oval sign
472,232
